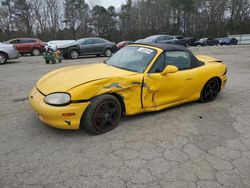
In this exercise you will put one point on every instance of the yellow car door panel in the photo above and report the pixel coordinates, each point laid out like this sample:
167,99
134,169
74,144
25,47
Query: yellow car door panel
167,89
170,87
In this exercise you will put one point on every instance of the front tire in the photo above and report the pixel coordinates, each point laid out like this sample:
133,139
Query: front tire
103,115
74,54
3,58
210,91
108,52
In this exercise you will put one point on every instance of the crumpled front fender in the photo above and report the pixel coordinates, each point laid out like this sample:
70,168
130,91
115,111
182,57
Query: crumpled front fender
129,88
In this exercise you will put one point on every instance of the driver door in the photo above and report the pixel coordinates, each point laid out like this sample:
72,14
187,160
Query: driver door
161,89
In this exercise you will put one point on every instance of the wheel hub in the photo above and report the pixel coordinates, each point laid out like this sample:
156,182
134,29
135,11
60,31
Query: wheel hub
106,116
74,55
108,53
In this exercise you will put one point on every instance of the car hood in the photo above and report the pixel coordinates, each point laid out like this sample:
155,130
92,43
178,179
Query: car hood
64,79
67,45
61,43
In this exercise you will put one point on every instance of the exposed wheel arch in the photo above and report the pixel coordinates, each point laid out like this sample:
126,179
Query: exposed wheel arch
6,55
120,98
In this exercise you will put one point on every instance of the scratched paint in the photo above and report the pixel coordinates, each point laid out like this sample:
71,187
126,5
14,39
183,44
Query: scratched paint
115,85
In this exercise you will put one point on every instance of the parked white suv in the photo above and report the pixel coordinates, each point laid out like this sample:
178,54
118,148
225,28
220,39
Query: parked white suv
7,51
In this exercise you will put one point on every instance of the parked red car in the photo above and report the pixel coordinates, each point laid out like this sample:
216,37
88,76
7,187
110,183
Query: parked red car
123,44
31,46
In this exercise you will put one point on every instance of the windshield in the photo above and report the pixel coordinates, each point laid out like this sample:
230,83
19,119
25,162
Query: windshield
132,58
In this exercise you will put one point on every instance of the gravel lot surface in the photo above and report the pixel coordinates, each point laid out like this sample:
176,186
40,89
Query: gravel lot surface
193,145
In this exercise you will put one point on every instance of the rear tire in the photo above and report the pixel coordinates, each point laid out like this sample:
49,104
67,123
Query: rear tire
210,91
103,115
3,58
108,52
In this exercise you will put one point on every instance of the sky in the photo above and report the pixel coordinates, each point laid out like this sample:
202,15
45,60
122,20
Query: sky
107,3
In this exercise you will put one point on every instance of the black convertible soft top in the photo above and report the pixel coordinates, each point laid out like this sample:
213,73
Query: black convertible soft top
165,47
173,47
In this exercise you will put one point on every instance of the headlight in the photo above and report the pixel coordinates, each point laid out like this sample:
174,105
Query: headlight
58,99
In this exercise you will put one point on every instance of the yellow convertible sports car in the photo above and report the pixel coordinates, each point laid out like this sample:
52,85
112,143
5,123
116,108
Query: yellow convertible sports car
138,78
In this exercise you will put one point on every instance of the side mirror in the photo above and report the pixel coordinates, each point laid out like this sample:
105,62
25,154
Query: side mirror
170,69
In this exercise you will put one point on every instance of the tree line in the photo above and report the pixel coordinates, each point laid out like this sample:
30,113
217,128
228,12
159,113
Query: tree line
73,19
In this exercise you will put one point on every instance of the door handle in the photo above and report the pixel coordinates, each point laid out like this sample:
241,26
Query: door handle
189,78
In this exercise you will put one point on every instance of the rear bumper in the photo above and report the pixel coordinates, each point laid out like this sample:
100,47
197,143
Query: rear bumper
53,115
223,81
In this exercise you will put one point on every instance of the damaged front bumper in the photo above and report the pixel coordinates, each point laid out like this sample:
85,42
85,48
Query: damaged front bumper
61,117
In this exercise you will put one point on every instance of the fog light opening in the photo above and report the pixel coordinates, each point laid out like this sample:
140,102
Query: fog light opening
68,122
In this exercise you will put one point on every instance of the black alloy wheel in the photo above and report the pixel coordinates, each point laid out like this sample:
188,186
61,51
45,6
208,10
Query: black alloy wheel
103,115
106,116
210,90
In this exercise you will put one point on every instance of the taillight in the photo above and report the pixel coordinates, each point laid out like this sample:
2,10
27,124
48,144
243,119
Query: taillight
120,45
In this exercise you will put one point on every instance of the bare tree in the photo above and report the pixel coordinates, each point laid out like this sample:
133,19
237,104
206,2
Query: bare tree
40,15
58,19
